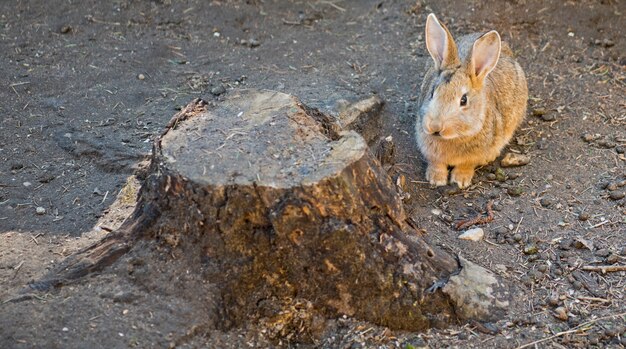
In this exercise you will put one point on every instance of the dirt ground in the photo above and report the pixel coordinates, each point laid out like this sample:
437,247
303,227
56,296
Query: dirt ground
85,87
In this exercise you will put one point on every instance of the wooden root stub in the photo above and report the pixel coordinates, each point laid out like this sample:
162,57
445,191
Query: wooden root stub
274,204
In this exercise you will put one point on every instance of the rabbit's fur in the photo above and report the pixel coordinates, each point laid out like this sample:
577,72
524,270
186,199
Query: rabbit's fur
464,137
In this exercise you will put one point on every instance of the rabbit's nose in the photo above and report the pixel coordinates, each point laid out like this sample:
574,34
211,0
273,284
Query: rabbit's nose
434,128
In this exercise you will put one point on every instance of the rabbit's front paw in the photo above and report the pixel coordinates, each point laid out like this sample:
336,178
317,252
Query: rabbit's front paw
437,175
462,176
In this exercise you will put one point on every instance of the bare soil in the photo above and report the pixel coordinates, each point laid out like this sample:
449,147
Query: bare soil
86,86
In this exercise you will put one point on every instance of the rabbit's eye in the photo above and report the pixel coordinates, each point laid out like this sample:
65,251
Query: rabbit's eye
464,100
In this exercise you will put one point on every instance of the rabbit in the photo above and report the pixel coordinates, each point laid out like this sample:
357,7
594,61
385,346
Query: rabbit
471,101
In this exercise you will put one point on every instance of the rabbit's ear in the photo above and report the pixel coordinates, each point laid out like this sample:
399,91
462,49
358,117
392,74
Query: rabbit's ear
485,54
440,44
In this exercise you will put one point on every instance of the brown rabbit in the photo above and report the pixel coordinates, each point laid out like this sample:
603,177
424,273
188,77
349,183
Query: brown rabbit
471,101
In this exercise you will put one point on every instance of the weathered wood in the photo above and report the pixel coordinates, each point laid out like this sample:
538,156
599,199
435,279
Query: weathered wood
363,117
273,202
283,208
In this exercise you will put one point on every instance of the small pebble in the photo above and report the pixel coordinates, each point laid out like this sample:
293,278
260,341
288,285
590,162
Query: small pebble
491,176
530,249
141,77
548,117
500,268
218,90
583,216
573,262
546,202
124,297
501,230
515,191
617,195
513,159
253,42
65,329
581,243
542,144
560,313
607,144
573,322
577,285
40,210
589,137
66,29
475,234
539,111
250,43
612,259
566,244
452,191
542,268
27,184
447,218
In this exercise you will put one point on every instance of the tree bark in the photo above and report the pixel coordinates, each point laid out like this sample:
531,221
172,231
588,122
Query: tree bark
275,202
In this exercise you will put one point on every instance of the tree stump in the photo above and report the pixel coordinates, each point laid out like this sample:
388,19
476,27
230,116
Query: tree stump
274,203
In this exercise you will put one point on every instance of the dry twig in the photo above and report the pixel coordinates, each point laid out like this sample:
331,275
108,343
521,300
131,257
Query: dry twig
604,268
17,269
466,223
